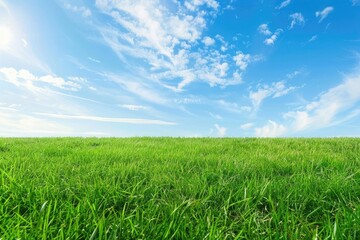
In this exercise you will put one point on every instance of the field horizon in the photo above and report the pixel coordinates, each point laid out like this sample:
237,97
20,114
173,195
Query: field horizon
179,188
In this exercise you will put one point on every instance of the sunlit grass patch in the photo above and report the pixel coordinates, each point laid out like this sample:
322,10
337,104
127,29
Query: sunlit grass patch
174,188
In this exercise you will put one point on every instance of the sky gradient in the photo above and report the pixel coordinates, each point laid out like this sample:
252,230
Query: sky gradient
193,68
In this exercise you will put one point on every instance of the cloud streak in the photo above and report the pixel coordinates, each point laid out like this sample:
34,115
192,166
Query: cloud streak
4,6
108,119
283,4
331,107
324,13
133,107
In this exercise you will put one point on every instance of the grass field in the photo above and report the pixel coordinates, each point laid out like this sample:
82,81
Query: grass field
173,188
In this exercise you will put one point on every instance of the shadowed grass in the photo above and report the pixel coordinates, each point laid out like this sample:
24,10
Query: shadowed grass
173,188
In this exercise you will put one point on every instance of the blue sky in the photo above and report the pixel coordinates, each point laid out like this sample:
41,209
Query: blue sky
189,68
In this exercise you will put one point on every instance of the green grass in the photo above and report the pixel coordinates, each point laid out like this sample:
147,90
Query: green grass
171,188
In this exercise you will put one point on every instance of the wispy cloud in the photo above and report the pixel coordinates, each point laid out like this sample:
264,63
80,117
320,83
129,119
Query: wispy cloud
271,40
194,5
133,107
297,19
294,74
94,60
313,38
216,116
271,129
24,42
246,126
233,107
138,87
108,119
28,80
275,90
264,29
169,42
188,100
324,13
221,131
333,106
283,4
4,6
9,107
86,12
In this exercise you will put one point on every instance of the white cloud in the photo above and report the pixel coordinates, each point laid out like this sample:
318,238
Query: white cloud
216,116
59,82
294,74
188,101
208,41
94,60
108,119
258,96
225,44
245,108
221,131
324,13
233,107
271,129
9,106
26,79
24,42
222,68
164,41
264,29
271,40
283,4
331,107
242,60
133,107
136,86
297,19
247,126
313,38
277,89
223,48
193,5
86,12
78,79
153,27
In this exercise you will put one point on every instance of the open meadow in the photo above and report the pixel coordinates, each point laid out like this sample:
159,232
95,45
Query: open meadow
176,188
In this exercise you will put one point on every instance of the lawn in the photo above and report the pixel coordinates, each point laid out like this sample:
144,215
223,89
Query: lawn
176,188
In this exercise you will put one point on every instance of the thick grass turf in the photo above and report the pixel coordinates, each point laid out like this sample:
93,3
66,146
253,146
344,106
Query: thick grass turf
173,188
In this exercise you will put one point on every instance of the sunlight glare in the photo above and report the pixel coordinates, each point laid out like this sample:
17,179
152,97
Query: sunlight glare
5,37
